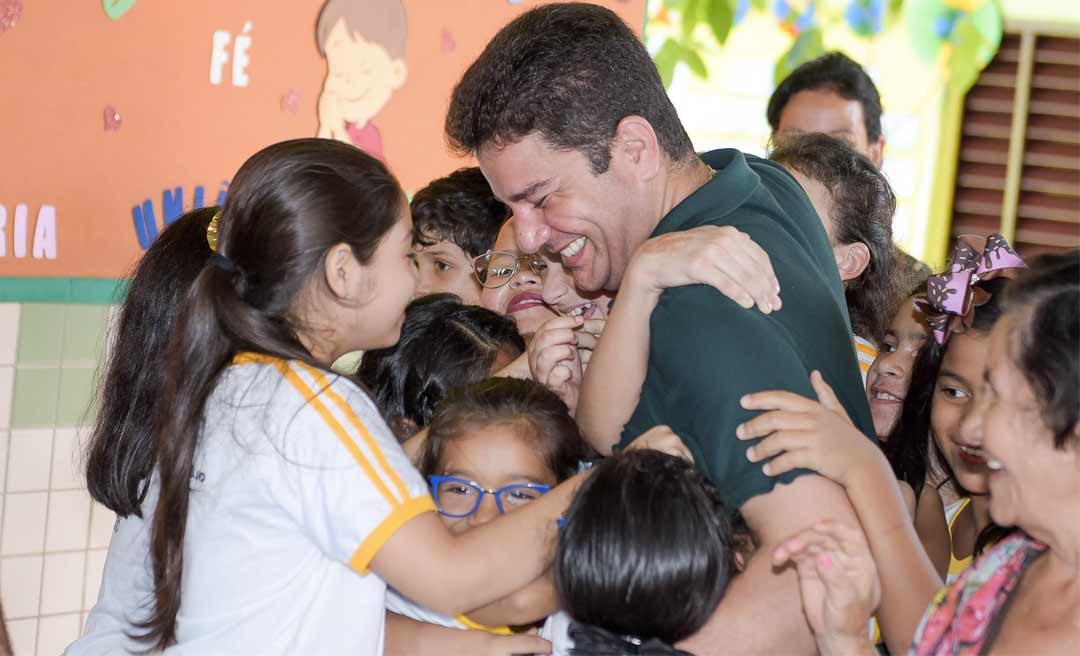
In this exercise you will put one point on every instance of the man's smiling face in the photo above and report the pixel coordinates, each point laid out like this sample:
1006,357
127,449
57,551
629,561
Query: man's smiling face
593,223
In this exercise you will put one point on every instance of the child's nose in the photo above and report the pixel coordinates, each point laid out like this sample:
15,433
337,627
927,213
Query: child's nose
487,511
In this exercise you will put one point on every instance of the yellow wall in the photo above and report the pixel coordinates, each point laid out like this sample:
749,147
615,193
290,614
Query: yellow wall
1051,11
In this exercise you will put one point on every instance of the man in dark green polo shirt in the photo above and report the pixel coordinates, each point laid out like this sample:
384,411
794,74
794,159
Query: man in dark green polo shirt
706,351
572,127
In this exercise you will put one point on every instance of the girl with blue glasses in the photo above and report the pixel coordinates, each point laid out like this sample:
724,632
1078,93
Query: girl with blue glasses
493,448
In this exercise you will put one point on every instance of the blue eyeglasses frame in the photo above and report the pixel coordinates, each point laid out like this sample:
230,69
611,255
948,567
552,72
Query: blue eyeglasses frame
435,481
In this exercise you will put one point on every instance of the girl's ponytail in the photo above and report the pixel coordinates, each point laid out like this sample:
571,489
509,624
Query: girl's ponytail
201,349
287,206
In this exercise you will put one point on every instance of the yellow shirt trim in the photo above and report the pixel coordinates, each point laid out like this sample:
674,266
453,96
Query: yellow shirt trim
957,566
361,558
350,415
475,626
312,399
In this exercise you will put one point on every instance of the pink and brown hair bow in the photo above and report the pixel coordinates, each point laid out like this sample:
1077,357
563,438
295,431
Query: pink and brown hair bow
952,296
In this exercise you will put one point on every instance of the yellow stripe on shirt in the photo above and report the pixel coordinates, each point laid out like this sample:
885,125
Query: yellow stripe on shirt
312,398
350,415
374,541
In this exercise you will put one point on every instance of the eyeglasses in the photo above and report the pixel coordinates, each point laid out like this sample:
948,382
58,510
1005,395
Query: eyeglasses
494,269
457,497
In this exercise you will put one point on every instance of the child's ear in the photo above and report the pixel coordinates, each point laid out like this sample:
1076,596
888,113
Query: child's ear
398,72
851,260
347,279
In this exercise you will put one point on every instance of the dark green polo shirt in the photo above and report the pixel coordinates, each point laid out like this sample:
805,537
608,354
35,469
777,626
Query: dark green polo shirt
705,351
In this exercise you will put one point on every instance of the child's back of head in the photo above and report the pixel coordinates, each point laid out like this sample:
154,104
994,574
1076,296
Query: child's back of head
645,555
444,345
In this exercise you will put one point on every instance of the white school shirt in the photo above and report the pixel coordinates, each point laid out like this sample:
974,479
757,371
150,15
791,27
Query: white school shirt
556,628
297,484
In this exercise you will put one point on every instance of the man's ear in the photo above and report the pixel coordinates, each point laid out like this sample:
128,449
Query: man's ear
877,151
851,260
347,279
636,145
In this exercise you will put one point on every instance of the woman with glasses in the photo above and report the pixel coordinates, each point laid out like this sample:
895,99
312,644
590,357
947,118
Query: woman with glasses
513,282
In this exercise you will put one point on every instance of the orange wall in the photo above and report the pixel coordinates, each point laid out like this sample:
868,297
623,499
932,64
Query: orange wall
65,61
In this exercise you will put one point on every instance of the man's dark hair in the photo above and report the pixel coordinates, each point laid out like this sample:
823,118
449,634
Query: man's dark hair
863,206
571,72
834,72
444,345
459,208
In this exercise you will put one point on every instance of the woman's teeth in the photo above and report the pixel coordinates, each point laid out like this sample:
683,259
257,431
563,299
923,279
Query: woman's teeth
580,310
973,451
573,248
881,395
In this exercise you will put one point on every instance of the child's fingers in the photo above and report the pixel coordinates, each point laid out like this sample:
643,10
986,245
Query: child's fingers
584,355
559,377
777,443
551,357
803,544
569,323
787,461
514,645
825,393
585,341
777,400
593,326
770,422
849,539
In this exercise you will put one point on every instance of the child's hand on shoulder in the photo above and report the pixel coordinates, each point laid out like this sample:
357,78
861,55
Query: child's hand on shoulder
663,439
802,433
719,256
838,583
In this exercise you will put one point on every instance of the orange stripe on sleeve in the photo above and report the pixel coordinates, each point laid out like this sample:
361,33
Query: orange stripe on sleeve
350,415
312,398
376,539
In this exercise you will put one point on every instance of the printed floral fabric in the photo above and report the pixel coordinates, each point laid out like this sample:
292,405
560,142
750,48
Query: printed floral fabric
959,619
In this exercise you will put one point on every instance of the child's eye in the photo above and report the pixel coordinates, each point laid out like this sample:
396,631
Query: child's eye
463,490
522,495
443,266
955,393
888,347
501,272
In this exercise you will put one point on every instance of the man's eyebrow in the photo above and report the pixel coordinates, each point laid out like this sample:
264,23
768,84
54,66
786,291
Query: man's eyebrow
528,191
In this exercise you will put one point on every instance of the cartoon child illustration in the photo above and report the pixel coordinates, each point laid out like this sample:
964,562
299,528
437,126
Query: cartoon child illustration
364,45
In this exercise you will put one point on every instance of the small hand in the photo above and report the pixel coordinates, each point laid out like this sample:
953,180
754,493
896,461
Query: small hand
804,433
517,644
554,359
663,439
838,583
719,256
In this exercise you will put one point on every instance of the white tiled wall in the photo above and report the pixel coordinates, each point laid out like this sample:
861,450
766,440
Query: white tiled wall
53,540
53,537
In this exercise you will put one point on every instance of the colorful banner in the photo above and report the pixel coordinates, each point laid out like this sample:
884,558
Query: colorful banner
119,115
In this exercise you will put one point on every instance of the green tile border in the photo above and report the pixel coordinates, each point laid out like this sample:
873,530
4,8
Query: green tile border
101,291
